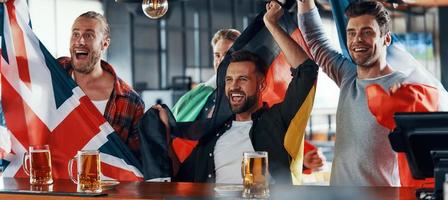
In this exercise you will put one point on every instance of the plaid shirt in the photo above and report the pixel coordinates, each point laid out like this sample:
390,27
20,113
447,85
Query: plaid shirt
123,110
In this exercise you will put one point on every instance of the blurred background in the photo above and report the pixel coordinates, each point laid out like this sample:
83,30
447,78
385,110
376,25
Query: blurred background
164,58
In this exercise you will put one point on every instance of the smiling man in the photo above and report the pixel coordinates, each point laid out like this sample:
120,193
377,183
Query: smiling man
119,104
363,156
254,126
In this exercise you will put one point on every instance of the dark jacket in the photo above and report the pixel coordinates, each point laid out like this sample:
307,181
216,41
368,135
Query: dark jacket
267,133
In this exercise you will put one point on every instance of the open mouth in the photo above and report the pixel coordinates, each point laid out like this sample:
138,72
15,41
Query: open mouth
236,98
360,49
81,54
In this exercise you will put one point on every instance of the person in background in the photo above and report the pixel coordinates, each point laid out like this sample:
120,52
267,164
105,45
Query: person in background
198,103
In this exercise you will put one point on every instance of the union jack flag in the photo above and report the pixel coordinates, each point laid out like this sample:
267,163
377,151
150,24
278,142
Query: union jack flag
43,105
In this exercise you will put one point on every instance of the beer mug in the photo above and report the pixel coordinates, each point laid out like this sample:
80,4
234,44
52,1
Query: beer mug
42,188
88,171
255,174
37,165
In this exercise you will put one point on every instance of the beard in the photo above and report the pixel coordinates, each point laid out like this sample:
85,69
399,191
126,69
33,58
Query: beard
248,104
86,68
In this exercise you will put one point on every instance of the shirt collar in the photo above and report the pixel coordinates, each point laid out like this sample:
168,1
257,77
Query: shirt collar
117,85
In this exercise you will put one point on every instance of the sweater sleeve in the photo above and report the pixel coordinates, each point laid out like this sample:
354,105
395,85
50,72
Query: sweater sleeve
333,63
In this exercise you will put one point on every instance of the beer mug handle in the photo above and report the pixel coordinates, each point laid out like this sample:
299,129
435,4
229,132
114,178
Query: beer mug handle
242,168
25,163
70,170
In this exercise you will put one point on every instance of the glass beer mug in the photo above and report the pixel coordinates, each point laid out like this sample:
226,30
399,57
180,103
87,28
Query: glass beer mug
37,165
88,176
255,174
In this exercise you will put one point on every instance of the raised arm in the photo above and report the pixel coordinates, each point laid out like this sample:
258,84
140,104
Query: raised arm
325,54
293,52
304,6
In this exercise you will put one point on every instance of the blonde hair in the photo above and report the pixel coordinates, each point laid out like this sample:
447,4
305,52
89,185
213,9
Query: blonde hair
228,34
100,18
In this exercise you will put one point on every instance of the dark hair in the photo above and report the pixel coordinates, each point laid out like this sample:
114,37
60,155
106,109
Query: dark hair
100,18
228,34
373,8
244,55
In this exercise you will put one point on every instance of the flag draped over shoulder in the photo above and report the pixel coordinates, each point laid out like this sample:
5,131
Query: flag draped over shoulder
421,91
256,38
43,105
187,109
189,106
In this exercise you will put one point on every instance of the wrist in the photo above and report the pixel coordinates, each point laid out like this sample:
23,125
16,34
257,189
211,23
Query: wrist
271,24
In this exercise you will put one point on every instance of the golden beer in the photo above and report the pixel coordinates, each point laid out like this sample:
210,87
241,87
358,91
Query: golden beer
40,170
42,188
39,166
89,171
89,175
255,175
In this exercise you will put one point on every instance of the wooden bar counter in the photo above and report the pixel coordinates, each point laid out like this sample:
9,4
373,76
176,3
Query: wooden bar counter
145,190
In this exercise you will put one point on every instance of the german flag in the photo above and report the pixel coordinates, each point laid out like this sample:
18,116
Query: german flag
257,39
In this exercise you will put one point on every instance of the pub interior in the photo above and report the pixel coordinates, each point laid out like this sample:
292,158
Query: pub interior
224,99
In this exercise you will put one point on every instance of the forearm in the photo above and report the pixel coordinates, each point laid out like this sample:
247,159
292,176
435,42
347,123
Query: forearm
293,52
304,6
333,63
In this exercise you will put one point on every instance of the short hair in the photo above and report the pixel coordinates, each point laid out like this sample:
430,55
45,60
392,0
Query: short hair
228,34
244,55
373,8
100,18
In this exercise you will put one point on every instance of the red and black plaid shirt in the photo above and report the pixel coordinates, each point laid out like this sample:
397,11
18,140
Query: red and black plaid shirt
123,110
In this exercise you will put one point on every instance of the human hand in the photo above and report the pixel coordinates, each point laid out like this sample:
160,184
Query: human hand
2,153
274,12
163,115
395,87
313,159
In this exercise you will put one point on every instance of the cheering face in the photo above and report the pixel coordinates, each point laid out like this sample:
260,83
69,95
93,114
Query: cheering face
242,86
219,51
364,41
87,43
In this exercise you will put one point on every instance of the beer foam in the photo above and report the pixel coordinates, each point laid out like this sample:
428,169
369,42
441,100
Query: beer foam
256,156
40,151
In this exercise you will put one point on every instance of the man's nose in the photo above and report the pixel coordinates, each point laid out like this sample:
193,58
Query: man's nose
80,40
358,37
234,85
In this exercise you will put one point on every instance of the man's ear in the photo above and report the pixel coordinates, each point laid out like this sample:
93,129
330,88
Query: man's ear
387,39
106,43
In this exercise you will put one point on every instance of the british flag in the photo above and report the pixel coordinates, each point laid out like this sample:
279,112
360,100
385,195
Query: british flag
43,105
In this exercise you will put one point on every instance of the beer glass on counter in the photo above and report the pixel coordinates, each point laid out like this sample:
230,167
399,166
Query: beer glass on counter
37,165
88,176
255,173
